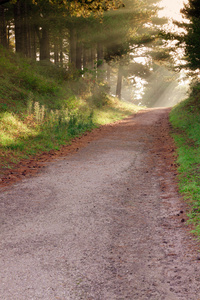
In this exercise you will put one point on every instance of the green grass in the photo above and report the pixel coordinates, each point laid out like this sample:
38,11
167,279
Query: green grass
43,107
185,119
115,111
28,136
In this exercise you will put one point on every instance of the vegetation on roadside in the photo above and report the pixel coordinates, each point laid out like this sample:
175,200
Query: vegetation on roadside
185,118
43,108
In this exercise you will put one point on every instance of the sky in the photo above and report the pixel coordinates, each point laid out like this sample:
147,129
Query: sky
172,8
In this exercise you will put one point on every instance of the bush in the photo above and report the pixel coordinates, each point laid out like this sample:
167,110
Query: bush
99,97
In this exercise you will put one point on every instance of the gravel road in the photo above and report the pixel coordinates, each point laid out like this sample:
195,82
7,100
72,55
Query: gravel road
105,223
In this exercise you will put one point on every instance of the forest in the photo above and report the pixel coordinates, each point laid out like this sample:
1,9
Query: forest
105,37
65,66
62,66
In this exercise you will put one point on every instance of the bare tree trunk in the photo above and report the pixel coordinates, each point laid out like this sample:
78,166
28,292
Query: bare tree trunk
119,82
22,28
56,55
44,45
92,57
73,39
8,36
99,52
18,27
85,57
108,73
61,52
100,61
33,42
78,56
26,33
3,32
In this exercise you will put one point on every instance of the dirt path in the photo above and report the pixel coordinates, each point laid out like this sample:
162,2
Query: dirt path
104,223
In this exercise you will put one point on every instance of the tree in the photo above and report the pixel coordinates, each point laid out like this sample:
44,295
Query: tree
190,39
48,28
34,20
3,33
129,32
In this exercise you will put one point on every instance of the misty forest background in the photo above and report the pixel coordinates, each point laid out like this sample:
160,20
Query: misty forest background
117,43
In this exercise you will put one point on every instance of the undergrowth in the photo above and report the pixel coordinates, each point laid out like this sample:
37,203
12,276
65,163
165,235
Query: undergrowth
43,107
185,118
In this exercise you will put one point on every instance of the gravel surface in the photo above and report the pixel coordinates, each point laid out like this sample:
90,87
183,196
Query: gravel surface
104,223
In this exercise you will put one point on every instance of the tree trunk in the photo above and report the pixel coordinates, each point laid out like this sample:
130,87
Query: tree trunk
26,31
99,54
33,42
3,32
22,28
119,82
92,57
100,61
78,56
85,57
61,52
56,55
108,73
18,27
8,36
72,54
44,45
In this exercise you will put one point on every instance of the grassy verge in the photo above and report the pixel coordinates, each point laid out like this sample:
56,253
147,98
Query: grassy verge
115,111
185,119
43,107
21,138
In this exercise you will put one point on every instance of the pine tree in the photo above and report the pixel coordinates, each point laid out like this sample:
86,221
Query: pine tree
191,38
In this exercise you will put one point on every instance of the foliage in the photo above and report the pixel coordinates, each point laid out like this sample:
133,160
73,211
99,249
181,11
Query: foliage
186,124
83,7
65,33
42,108
189,38
99,95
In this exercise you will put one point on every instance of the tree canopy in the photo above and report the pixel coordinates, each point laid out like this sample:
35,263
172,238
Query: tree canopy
190,39
80,35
